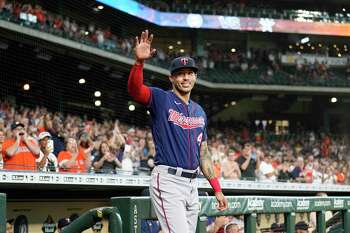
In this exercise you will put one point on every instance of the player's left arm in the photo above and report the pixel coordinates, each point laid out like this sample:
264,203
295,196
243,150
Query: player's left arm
208,171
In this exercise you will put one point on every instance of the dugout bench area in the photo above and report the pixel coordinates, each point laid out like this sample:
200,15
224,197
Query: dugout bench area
126,213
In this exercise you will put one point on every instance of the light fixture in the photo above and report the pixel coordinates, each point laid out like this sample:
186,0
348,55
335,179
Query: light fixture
233,50
131,107
334,100
312,48
233,103
182,50
82,81
344,9
339,54
320,45
26,87
86,33
100,7
334,46
178,42
97,94
98,103
305,40
171,47
301,47
148,112
290,46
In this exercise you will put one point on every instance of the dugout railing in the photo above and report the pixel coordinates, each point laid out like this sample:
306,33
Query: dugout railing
89,218
134,209
2,213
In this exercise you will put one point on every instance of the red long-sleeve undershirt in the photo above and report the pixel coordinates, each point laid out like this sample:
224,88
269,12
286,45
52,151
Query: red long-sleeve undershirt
140,92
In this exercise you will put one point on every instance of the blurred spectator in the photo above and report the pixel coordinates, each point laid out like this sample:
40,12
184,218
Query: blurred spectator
230,168
47,161
297,172
97,227
21,151
55,128
266,171
105,161
284,174
49,225
9,225
277,228
219,224
63,222
73,159
249,161
2,139
86,144
232,228
301,227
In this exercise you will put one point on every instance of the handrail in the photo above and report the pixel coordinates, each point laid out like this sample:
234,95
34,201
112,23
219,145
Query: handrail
89,218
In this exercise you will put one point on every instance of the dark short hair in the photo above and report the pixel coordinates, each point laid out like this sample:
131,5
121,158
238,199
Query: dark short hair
302,225
10,221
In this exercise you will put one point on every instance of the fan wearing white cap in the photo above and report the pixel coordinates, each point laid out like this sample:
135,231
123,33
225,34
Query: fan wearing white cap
47,161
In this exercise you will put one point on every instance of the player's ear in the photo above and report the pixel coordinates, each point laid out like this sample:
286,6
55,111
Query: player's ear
171,79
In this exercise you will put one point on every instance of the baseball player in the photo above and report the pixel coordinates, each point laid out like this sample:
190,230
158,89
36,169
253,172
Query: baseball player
180,137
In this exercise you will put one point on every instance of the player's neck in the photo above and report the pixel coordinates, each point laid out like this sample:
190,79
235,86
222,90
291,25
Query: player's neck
185,97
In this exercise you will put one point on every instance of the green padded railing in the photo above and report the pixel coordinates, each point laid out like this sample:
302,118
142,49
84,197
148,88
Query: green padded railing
89,218
2,212
134,209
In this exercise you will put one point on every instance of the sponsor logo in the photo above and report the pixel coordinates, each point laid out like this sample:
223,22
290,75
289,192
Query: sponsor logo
322,203
184,61
281,204
17,177
69,179
303,204
185,122
135,219
234,205
44,178
231,205
255,204
338,203
91,180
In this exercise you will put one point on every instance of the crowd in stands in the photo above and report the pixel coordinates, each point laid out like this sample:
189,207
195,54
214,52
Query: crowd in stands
251,66
243,8
38,140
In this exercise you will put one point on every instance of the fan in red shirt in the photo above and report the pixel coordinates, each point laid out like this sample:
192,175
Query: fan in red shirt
73,159
21,151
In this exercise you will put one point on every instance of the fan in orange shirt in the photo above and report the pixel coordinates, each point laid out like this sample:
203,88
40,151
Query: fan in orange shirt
20,152
73,159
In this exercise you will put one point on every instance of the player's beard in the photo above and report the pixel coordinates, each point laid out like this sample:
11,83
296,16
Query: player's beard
182,91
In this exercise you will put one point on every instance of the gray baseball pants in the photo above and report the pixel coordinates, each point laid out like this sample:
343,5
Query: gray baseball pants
175,200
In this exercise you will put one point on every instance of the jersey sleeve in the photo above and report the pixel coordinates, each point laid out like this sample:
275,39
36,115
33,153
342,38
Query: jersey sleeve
205,134
158,98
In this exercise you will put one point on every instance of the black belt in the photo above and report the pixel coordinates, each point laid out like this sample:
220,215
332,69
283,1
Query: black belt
193,175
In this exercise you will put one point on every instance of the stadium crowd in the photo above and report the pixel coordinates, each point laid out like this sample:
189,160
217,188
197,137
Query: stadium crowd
254,9
261,65
39,140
